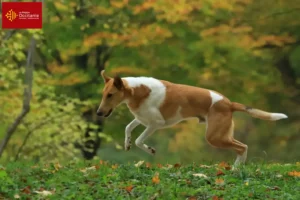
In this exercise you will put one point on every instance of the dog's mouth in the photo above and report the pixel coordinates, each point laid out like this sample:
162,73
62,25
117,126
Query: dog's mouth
109,112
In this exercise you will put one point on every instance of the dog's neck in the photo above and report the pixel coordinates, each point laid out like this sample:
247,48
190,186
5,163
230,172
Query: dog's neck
135,96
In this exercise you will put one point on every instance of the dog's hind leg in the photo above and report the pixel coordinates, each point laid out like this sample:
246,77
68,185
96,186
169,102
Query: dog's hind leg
220,133
140,140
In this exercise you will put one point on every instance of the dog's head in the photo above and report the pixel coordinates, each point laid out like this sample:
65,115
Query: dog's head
113,95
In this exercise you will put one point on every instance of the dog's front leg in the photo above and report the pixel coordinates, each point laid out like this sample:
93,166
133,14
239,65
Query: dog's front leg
140,140
132,125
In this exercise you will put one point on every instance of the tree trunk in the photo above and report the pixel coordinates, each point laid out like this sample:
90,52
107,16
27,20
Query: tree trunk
26,97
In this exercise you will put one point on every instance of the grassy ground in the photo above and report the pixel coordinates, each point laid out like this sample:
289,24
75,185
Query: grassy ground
102,180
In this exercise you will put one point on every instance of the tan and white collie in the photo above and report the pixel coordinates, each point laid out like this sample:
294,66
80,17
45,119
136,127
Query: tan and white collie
157,104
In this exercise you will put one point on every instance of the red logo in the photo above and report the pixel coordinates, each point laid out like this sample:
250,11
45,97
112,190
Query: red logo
17,15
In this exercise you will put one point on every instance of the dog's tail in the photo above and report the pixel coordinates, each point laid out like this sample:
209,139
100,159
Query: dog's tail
257,113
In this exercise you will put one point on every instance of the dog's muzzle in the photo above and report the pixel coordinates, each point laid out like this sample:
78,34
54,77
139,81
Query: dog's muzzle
101,114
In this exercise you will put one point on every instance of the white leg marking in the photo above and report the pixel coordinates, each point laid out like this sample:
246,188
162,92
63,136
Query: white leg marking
140,140
214,98
132,125
241,159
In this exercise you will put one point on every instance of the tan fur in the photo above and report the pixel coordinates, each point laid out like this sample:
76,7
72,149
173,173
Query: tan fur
220,128
138,96
183,96
252,111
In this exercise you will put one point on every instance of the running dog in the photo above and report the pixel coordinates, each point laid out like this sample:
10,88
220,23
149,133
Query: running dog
158,104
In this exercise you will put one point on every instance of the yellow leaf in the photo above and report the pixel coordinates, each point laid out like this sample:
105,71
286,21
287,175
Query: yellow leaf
294,173
132,70
54,68
60,6
57,166
118,3
99,10
155,178
114,166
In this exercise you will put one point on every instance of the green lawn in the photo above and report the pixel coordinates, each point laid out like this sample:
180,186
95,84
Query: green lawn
102,180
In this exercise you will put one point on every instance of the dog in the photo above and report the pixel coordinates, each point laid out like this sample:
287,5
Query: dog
158,104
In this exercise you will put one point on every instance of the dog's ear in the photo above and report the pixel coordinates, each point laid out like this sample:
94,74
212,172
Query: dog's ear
105,78
118,83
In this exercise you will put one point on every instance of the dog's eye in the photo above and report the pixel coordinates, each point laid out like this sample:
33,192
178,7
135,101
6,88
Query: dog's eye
109,95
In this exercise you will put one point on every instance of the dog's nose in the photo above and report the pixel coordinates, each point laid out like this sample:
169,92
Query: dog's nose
99,113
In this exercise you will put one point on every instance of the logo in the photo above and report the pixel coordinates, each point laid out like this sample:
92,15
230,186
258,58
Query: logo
11,15
21,15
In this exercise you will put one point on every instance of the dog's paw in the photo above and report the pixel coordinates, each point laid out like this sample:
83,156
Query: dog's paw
152,151
127,144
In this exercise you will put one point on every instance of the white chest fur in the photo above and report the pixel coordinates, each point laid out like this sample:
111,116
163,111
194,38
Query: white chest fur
148,112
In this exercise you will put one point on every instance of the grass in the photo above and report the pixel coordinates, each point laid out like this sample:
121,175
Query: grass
102,180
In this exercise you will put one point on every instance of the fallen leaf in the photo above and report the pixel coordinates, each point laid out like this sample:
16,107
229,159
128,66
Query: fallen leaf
278,176
57,166
257,171
155,178
154,197
44,193
294,173
148,165
225,165
138,164
101,162
114,166
88,169
177,165
205,166
219,181
216,198
17,196
192,198
220,173
275,188
97,166
168,166
159,165
200,175
129,188
26,190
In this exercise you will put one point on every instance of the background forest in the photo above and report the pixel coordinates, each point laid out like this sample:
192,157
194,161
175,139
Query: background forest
245,49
